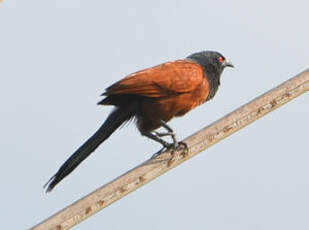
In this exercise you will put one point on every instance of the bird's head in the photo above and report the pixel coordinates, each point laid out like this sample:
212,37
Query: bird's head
211,61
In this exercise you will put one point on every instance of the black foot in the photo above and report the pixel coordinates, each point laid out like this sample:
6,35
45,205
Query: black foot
182,146
179,146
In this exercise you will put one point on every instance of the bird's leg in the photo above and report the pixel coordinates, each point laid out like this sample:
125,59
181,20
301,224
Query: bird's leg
170,132
157,139
162,134
175,144
165,144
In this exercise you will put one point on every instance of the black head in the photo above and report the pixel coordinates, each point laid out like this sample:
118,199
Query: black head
213,63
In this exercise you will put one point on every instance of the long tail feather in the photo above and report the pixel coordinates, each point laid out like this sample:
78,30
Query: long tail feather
114,120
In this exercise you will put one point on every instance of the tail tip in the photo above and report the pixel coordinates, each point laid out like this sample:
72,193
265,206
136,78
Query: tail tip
50,184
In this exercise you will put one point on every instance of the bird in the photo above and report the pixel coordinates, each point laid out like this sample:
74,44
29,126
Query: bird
152,97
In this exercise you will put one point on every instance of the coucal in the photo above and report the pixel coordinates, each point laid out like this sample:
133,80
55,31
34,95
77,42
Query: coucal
152,97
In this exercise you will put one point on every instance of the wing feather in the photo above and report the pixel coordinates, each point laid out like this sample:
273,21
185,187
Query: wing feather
181,76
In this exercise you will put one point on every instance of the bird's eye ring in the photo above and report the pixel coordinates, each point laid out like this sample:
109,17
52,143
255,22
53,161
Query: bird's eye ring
220,59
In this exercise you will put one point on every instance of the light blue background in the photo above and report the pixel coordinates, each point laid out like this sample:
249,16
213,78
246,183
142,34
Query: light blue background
56,57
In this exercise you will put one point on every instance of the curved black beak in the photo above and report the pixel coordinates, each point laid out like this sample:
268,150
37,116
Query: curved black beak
227,63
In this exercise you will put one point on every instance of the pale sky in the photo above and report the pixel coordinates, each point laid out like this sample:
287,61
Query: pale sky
57,57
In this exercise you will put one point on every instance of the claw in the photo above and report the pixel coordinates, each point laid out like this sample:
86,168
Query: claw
180,146
183,146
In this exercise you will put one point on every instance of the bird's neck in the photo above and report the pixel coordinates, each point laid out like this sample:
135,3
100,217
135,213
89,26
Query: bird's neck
213,76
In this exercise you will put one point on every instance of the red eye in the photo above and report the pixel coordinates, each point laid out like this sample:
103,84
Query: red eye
220,59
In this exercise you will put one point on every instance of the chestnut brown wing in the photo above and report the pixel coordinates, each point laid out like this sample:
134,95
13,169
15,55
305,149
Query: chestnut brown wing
169,78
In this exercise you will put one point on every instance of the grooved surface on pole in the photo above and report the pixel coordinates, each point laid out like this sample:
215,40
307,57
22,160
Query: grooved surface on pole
197,142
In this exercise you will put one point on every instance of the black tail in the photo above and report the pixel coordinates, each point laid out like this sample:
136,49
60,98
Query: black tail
114,120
